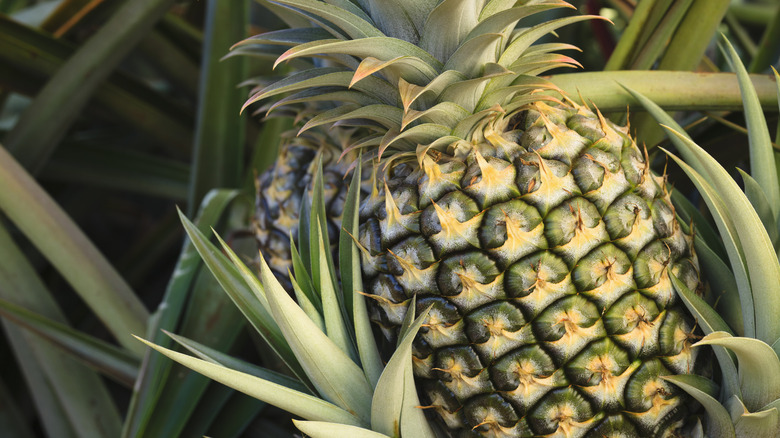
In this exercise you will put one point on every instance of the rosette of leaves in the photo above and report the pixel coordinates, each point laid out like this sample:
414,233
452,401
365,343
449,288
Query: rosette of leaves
743,270
339,385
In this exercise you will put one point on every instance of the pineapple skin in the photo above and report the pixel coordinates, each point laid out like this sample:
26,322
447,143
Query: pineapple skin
544,248
282,189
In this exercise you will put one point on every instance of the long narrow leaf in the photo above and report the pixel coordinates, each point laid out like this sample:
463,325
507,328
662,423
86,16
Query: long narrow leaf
231,280
334,374
58,238
219,139
297,403
72,396
762,163
55,108
106,358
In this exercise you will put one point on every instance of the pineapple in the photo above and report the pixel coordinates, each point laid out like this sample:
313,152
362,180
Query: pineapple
282,189
531,227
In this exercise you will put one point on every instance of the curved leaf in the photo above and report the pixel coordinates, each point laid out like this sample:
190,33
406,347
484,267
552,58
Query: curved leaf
759,367
319,429
297,403
704,391
333,373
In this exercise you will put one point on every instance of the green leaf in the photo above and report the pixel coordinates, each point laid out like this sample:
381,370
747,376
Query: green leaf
671,90
334,374
233,282
724,287
710,322
154,373
71,399
34,56
59,103
384,48
757,197
629,39
219,358
694,34
118,364
219,139
393,401
12,422
297,403
759,367
661,34
758,423
332,305
61,241
332,18
762,162
306,305
352,280
689,213
319,429
704,391
759,254
303,279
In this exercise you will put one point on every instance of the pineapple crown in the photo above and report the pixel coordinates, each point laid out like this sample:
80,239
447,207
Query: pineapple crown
414,72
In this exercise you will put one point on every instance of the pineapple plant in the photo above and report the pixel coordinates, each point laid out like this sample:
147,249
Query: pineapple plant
282,189
531,227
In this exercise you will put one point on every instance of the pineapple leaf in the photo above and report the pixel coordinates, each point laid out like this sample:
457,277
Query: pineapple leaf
757,197
326,77
424,67
297,403
527,37
306,305
724,287
690,214
760,258
751,424
386,115
71,252
285,37
470,57
629,39
332,18
710,322
303,279
334,374
120,365
332,306
219,358
393,401
756,358
319,429
762,162
704,391
447,26
244,295
730,237
352,280
326,94
444,113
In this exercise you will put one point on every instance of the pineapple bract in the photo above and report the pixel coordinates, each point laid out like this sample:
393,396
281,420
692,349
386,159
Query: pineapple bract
532,227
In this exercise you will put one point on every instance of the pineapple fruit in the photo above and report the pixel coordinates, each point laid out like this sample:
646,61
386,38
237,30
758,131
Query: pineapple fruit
283,188
531,227
552,302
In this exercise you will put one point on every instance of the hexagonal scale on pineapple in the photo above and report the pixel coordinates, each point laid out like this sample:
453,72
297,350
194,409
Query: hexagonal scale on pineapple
602,371
634,323
567,326
604,275
563,413
496,329
544,183
490,180
526,375
462,372
574,228
512,230
452,223
537,281
630,223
